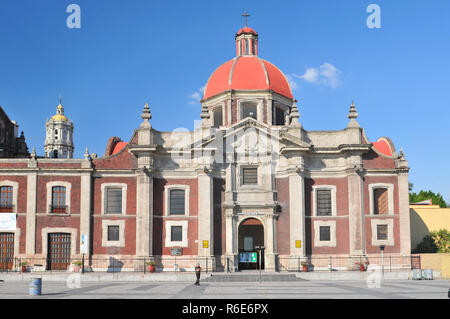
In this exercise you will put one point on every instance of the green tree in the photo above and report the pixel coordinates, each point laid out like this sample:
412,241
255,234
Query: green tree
436,199
436,242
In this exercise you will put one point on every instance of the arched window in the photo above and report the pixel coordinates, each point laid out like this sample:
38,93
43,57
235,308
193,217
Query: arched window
55,154
247,47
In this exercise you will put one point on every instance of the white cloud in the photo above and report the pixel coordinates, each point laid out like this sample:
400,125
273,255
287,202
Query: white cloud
195,97
327,74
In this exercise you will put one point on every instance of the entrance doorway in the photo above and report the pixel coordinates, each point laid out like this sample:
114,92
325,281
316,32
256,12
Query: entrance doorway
58,251
6,251
251,235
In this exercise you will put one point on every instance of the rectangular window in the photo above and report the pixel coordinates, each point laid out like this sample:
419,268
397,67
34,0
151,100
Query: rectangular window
114,200
6,195
381,205
382,232
325,232
176,233
324,202
218,121
58,199
249,176
113,233
279,116
177,202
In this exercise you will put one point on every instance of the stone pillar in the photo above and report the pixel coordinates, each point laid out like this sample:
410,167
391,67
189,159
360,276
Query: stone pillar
231,239
270,252
404,220
355,213
30,247
85,210
144,213
296,218
205,217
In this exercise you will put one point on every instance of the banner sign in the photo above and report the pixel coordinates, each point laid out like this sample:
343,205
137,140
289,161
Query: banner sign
7,221
248,257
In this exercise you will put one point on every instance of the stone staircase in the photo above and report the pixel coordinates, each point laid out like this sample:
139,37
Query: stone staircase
251,277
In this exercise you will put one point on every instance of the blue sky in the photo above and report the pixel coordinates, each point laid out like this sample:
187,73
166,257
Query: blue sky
128,52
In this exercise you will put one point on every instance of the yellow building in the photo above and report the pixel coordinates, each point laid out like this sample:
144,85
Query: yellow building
426,218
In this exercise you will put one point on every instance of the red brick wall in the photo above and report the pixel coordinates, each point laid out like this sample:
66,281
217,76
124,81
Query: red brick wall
159,219
130,221
368,228
282,223
373,160
22,191
122,160
342,223
56,221
41,201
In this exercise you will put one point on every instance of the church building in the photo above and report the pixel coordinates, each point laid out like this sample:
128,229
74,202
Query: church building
248,179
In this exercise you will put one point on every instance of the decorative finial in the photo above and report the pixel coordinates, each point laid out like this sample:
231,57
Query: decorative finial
352,113
146,116
33,153
294,115
245,15
60,99
86,154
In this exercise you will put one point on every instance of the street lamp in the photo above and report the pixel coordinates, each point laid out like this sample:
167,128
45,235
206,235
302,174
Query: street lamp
259,249
382,258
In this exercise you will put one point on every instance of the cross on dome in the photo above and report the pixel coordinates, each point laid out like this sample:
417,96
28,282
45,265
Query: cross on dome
245,15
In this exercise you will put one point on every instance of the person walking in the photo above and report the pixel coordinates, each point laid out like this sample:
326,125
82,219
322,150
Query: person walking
198,271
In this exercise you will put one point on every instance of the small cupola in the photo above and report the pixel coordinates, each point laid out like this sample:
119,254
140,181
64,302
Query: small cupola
246,40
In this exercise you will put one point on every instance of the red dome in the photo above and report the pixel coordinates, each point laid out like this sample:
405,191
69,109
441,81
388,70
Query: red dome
247,73
246,30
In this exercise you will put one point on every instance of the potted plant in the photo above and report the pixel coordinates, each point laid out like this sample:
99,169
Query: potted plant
361,266
76,266
23,266
305,266
151,266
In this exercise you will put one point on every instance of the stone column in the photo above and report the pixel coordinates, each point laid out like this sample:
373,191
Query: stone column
205,217
30,247
270,244
144,213
231,239
355,213
85,210
296,218
403,200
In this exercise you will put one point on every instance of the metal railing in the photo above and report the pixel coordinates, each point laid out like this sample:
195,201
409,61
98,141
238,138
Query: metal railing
109,264
337,263
180,264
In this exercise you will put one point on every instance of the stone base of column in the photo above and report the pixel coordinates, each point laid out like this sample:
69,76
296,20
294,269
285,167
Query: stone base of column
231,263
270,262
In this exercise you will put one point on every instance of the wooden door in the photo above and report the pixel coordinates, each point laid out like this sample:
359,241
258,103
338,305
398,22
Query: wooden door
59,245
6,251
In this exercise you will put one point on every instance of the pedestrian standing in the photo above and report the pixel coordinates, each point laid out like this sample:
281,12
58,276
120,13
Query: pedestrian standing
198,271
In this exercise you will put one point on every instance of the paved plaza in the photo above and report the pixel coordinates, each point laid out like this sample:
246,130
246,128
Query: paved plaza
395,289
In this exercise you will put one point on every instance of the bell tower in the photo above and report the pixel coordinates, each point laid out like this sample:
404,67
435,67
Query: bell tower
59,132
